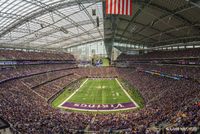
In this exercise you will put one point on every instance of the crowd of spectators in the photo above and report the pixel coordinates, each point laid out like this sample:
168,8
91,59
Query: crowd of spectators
186,71
29,113
24,55
50,83
21,71
169,103
165,99
97,72
160,54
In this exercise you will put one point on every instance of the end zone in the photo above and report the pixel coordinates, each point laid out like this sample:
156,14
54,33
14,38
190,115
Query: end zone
98,107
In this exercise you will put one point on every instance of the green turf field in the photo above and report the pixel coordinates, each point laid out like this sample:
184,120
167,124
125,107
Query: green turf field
105,62
97,91
100,92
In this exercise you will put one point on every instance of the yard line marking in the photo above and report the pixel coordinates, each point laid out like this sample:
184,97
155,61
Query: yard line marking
126,93
73,93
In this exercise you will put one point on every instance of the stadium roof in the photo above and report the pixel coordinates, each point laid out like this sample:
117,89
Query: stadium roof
51,24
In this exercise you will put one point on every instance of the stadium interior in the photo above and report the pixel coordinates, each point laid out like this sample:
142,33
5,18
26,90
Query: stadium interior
69,67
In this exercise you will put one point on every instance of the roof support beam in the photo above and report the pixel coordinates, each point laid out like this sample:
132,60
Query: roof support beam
71,37
151,27
139,11
67,18
78,43
183,39
120,35
41,12
170,30
174,13
81,43
52,31
89,16
196,3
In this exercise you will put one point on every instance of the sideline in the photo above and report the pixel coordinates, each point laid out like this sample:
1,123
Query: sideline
126,93
72,94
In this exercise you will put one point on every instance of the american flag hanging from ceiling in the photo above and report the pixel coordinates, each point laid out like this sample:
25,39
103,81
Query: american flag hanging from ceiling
121,7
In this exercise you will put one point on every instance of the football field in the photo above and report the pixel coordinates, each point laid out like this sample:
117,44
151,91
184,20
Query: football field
99,95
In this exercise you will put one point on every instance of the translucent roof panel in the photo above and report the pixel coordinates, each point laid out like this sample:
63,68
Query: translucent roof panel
49,23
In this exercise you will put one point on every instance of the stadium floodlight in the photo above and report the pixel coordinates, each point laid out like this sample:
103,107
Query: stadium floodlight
64,30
